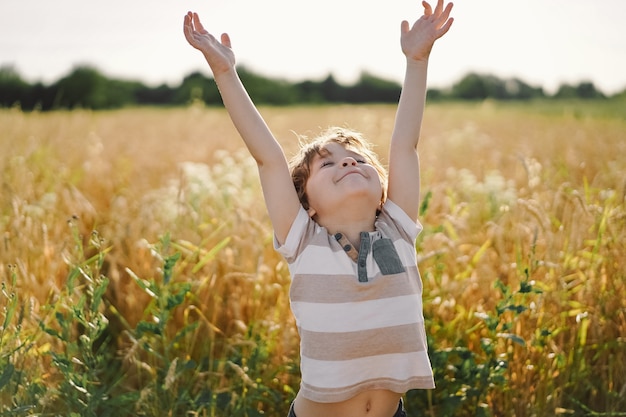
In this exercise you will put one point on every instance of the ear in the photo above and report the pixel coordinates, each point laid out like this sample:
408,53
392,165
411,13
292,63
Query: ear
311,212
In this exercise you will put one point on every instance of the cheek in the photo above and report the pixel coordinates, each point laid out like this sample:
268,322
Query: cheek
318,186
374,174
379,184
382,191
311,190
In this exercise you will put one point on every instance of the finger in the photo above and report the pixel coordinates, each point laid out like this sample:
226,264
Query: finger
198,24
442,19
187,19
225,40
445,28
196,21
190,18
404,26
439,7
187,29
427,9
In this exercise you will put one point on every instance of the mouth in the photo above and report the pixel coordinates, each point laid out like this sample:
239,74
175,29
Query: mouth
354,171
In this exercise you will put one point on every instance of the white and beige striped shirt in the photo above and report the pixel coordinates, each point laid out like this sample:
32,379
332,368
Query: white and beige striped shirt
358,313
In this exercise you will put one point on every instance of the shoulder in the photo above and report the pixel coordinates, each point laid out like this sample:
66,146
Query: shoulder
392,216
301,227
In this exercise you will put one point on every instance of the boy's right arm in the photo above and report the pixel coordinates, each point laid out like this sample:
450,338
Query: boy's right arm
280,195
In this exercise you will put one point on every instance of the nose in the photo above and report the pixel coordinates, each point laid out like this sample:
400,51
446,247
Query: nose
347,161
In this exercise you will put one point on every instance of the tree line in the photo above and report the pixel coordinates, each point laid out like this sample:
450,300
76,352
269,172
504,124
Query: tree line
86,87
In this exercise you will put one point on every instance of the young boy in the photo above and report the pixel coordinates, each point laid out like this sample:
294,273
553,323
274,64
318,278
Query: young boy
347,230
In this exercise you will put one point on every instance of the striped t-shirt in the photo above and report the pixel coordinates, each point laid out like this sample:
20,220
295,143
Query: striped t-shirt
358,313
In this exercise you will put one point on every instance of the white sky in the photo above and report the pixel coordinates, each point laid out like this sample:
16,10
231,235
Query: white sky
543,42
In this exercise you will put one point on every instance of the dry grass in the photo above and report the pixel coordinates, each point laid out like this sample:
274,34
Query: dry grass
516,196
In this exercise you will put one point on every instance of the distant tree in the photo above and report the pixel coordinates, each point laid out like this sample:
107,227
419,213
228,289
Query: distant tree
584,90
83,87
86,87
197,87
370,89
436,94
519,90
587,90
267,90
471,87
475,86
161,95
332,91
39,97
13,89
565,91
309,92
120,93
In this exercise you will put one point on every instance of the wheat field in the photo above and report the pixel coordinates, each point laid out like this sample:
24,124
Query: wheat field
139,276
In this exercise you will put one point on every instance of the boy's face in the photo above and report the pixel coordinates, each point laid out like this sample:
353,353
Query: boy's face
339,176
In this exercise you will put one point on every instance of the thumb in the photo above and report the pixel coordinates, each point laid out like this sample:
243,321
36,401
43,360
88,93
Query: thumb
225,39
404,26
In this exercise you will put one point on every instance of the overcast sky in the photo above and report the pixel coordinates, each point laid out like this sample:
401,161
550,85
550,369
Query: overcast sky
543,42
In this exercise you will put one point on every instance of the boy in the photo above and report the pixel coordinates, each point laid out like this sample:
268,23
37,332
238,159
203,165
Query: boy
347,230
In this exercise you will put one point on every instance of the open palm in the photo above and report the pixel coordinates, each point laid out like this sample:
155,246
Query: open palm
218,54
417,41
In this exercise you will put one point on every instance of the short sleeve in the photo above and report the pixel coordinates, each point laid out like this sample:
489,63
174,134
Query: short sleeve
411,228
298,228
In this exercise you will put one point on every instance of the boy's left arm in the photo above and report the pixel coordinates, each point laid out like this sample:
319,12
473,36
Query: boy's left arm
417,42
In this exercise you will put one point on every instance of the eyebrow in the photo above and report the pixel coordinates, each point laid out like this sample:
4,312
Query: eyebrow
320,153
325,152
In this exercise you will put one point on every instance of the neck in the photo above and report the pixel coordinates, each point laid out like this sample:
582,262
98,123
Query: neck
350,217
350,228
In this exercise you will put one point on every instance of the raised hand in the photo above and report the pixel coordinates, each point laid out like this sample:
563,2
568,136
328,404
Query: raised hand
218,54
417,41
